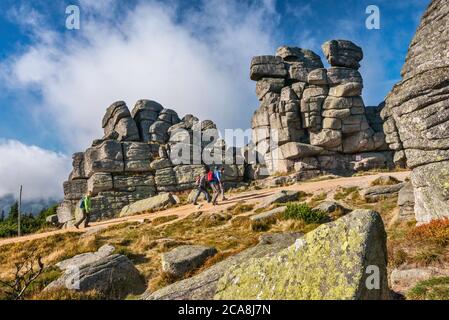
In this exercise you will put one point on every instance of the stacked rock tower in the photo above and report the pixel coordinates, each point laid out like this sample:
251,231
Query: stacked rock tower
312,119
132,161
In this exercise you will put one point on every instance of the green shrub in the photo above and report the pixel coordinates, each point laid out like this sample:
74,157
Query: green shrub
301,211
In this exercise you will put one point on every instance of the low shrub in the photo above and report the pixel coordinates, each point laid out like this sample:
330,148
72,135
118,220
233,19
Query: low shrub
435,232
301,211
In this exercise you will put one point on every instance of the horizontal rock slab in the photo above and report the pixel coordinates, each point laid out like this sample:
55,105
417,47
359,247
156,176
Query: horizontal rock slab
75,189
267,67
295,150
332,262
162,200
377,193
203,285
100,181
340,75
183,259
279,197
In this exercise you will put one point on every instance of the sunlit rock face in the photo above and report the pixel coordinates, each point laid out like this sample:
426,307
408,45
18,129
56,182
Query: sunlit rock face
417,114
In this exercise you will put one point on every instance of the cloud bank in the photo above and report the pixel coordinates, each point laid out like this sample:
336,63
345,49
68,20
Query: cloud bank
198,65
39,171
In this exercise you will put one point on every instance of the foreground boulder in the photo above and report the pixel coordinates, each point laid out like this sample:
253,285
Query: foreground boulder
203,285
113,276
416,114
186,258
332,262
162,200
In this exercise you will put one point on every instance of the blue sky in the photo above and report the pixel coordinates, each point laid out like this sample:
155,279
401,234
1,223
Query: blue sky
192,56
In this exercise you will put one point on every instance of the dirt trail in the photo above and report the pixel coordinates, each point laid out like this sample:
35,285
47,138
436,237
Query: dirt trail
249,197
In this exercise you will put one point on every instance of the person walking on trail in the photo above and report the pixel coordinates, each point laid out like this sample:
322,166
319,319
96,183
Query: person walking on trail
85,205
213,182
201,184
219,176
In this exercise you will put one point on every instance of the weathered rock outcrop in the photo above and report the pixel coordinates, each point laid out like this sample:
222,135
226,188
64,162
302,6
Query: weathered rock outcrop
315,115
111,275
417,114
142,153
186,258
203,286
334,261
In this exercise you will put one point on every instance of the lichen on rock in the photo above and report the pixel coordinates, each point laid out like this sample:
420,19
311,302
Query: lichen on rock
330,262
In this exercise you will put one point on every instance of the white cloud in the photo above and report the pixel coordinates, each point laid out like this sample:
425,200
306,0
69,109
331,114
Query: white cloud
40,171
198,65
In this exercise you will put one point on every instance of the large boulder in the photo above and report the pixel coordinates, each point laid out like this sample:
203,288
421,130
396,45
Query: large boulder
267,67
342,53
118,119
183,259
106,157
203,286
416,114
145,113
162,200
279,197
113,276
344,259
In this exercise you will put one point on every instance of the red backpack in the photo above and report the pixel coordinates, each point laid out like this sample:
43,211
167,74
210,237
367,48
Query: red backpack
210,176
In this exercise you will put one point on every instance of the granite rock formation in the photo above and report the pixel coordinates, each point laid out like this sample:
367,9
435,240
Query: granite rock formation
314,119
142,153
417,114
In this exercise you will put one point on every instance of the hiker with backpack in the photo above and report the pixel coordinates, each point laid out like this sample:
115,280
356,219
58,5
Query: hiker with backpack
219,176
213,182
85,205
201,184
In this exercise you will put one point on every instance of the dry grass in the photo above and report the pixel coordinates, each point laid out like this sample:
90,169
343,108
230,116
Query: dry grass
425,245
66,294
435,232
160,220
316,199
240,207
343,193
384,181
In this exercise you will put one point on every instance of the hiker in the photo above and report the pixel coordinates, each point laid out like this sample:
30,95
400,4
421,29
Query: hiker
219,175
86,210
201,181
213,182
